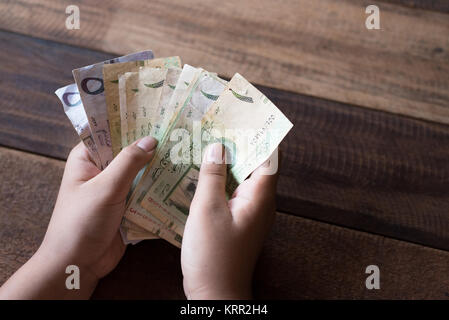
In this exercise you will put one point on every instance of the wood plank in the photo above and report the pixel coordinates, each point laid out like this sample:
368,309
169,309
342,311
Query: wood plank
386,174
363,169
301,259
434,5
318,47
31,117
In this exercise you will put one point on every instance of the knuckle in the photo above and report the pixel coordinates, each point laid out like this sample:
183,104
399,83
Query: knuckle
217,170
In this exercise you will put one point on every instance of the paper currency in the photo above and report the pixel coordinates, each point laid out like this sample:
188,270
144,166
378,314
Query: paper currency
135,232
127,88
122,80
188,74
243,120
173,184
111,74
185,109
162,111
134,212
143,99
248,124
74,109
90,84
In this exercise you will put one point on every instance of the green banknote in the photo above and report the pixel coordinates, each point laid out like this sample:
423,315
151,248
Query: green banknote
134,211
240,117
174,181
143,99
163,110
111,74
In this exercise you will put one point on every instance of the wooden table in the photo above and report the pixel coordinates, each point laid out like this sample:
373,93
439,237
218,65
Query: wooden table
365,177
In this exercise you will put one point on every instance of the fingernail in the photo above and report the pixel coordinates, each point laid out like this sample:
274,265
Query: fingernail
214,153
147,144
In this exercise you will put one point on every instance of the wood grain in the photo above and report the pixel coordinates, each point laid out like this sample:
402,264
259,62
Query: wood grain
319,48
31,116
386,174
434,5
301,259
354,167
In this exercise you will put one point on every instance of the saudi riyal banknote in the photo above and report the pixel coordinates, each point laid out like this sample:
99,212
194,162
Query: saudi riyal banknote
90,84
162,111
122,80
115,94
74,109
172,107
143,99
240,117
248,124
134,212
174,181
111,74
174,87
134,232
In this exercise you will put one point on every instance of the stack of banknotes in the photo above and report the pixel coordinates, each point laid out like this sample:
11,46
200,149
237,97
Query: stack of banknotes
116,102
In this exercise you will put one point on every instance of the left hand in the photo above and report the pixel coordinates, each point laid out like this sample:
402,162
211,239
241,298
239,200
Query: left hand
84,227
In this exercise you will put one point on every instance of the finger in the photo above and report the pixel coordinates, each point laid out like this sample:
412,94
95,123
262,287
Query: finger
267,174
263,181
210,191
79,166
121,172
254,201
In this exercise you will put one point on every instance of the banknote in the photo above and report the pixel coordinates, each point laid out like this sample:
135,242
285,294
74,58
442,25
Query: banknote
174,182
90,84
134,212
248,124
162,111
133,235
242,119
135,232
124,234
74,109
147,88
111,73
122,80
124,94
115,102
171,109
143,99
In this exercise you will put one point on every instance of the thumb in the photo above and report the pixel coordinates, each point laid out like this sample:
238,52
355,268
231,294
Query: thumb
210,191
120,173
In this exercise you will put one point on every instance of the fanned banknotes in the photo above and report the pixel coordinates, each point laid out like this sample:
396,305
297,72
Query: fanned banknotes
90,84
116,102
111,74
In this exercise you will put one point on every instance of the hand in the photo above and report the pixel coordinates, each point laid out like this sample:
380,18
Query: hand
84,227
222,239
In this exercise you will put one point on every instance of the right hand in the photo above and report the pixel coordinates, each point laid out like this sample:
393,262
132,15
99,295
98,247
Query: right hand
222,239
